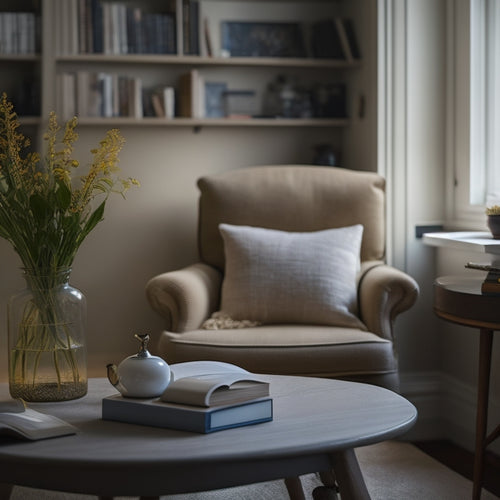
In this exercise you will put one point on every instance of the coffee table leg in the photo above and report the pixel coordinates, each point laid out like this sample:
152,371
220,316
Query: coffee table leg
5,491
294,488
351,483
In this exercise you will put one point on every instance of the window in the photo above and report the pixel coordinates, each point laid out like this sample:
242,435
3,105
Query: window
475,117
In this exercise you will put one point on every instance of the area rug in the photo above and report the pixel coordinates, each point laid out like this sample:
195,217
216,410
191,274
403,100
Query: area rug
393,470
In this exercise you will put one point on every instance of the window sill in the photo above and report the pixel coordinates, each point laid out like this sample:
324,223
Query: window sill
473,241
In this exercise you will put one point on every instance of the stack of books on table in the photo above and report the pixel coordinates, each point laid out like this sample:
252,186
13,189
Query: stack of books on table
203,396
491,283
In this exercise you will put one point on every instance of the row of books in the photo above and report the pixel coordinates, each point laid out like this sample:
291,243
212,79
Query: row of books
88,94
94,27
18,32
102,94
203,397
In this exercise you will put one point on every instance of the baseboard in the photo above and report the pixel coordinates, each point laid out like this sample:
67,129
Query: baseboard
423,389
446,409
459,409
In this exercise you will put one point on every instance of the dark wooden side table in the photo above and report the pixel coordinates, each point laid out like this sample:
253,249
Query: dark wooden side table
458,299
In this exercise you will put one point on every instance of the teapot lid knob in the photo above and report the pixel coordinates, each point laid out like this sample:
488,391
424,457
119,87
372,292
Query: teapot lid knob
144,340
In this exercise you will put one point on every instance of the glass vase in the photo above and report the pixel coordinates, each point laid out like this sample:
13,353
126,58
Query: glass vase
46,329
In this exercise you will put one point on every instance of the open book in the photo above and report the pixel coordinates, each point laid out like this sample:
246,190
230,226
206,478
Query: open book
212,383
21,422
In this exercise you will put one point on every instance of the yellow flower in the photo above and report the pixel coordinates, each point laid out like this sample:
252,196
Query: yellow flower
493,210
44,212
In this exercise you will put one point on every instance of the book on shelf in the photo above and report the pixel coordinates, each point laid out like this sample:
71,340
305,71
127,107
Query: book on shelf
262,39
18,33
135,98
163,102
352,40
325,40
100,94
219,396
191,92
190,27
335,39
18,421
214,99
95,27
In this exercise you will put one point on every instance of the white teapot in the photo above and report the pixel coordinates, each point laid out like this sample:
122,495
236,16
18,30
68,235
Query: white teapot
141,375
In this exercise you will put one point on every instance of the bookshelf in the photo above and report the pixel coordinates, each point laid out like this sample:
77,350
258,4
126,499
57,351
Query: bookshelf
106,56
20,56
61,54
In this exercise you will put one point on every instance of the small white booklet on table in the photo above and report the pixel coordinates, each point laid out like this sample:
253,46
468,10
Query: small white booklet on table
18,421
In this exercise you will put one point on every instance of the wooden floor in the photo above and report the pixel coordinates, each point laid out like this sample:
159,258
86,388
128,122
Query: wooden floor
461,461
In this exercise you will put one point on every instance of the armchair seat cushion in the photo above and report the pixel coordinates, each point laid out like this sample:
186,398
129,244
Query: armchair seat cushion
315,350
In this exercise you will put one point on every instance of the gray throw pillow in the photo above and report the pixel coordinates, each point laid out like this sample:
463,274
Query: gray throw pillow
276,276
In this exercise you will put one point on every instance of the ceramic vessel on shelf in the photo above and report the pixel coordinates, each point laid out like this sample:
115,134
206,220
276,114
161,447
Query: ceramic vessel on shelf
141,375
494,226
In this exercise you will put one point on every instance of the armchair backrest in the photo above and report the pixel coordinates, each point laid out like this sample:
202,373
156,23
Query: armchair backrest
291,198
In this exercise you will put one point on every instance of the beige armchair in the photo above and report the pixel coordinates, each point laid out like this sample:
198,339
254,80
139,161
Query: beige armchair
288,198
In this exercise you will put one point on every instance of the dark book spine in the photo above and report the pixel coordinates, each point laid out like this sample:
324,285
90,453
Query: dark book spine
97,33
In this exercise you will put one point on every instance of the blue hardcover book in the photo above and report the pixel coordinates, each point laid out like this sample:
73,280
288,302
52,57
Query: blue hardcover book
157,413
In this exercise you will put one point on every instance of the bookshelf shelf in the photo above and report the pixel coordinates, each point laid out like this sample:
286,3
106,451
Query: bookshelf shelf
30,120
209,61
29,58
215,122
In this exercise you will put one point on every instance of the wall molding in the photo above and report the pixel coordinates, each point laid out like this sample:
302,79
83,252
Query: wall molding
392,123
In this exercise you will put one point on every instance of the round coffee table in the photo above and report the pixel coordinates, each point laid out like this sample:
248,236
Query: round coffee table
317,424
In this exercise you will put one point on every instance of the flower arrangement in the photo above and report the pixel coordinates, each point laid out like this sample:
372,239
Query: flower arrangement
46,212
42,213
493,210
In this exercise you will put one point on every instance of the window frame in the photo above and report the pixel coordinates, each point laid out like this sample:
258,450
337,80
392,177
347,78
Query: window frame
466,129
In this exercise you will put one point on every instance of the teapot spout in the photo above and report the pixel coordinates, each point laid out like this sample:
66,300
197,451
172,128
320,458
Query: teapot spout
112,374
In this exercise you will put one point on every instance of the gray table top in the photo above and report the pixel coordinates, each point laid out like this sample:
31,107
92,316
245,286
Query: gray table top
312,418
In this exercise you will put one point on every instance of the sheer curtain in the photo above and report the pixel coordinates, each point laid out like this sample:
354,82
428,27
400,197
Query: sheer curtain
492,104
485,102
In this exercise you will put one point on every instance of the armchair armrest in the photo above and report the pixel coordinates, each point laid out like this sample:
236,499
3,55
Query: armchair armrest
383,293
186,297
